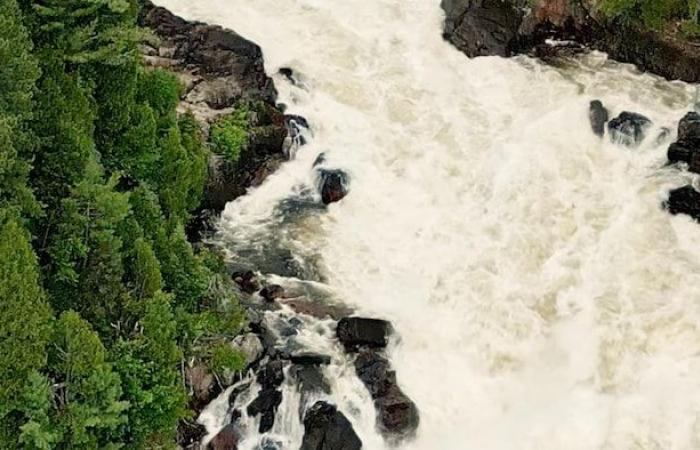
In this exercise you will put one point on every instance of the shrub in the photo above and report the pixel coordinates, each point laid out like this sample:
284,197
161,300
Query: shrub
230,134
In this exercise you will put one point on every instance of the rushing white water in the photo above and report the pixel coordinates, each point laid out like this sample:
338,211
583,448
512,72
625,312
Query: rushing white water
542,297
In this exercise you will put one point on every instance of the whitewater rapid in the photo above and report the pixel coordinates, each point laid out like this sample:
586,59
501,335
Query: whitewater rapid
542,298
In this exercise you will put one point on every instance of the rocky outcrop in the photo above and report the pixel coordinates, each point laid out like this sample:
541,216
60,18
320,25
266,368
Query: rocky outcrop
686,200
326,428
508,27
221,71
218,67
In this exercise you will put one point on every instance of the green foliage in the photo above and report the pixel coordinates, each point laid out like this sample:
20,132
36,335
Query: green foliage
63,126
26,318
116,171
225,358
229,134
161,90
88,31
146,270
148,365
650,13
89,405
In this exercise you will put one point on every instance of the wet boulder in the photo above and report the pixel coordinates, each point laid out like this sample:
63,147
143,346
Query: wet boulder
250,345
689,128
272,292
598,116
310,379
684,200
226,439
271,375
355,332
265,405
397,415
247,280
628,129
333,185
482,27
680,152
326,428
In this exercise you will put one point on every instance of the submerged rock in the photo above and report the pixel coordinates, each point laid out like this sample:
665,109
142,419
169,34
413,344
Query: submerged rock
333,185
684,200
628,129
326,428
397,415
227,439
598,116
355,332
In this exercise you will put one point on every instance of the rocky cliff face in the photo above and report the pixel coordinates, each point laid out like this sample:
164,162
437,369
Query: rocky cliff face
508,27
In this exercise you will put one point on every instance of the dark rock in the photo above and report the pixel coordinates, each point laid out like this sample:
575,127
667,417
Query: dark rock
681,152
190,434
295,126
333,185
310,359
265,405
628,129
694,165
202,385
326,428
227,439
598,116
271,375
482,27
354,332
310,379
271,292
684,200
247,281
689,129
397,415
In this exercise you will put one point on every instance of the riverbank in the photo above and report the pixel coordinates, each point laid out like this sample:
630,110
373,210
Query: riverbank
549,28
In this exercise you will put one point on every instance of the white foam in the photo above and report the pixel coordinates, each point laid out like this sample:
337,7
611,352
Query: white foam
543,298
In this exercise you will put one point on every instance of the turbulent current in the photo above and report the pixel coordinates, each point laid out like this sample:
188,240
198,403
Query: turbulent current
542,298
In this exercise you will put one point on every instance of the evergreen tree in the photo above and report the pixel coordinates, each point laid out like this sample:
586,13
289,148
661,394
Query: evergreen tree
25,324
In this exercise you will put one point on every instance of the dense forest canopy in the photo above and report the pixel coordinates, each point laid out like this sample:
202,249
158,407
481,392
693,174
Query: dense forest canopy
102,296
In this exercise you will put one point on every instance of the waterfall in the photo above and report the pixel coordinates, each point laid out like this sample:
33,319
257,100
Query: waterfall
541,297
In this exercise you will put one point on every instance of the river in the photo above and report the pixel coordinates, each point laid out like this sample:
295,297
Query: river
542,298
